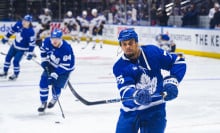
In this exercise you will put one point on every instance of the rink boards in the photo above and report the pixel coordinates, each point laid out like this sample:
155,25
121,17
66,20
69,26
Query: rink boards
192,41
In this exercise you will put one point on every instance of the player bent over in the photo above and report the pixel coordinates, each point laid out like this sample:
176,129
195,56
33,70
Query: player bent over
57,61
138,75
165,43
24,42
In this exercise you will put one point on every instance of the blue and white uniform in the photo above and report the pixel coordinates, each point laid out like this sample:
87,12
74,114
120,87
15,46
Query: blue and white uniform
145,73
24,42
61,61
25,39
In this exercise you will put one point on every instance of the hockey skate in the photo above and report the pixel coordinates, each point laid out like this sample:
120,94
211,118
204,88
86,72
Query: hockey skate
42,107
93,47
3,75
13,77
52,103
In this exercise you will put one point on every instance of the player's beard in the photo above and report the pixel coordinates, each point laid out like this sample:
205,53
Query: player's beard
133,55
130,56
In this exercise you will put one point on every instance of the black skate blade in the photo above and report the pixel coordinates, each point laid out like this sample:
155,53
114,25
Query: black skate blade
6,80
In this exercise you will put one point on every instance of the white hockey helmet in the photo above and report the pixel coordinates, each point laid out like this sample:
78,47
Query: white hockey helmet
46,10
69,14
84,13
94,12
216,5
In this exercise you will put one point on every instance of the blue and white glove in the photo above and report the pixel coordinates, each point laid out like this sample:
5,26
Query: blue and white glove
170,89
52,78
45,65
29,56
142,97
4,40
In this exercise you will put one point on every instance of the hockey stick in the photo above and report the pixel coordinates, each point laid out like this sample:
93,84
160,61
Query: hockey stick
54,91
115,100
36,61
2,53
61,109
86,102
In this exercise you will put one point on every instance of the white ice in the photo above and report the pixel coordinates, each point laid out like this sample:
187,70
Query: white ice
196,110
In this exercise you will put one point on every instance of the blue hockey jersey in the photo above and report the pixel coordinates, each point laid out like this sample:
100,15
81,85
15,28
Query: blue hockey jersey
145,73
61,58
25,37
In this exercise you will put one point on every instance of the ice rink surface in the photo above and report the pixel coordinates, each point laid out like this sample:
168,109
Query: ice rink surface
196,110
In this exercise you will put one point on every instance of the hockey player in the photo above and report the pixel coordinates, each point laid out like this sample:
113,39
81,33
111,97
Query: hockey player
57,61
24,42
138,75
44,29
84,27
97,26
165,43
73,27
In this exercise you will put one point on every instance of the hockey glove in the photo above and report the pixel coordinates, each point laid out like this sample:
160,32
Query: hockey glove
45,65
170,84
4,40
142,97
29,56
52,78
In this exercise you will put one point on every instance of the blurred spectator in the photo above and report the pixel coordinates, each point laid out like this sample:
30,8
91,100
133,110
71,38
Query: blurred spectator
8,17
117,10
176,9
153,15
129,18
203,11
190,17
162,17
133,14
212,11
216,19
119,18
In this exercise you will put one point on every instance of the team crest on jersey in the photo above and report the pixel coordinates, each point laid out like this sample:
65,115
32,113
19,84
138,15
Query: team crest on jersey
147,83
54,59
134,67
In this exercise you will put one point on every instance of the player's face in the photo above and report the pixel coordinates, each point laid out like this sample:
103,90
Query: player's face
25,23
130,48
84,15
56,42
